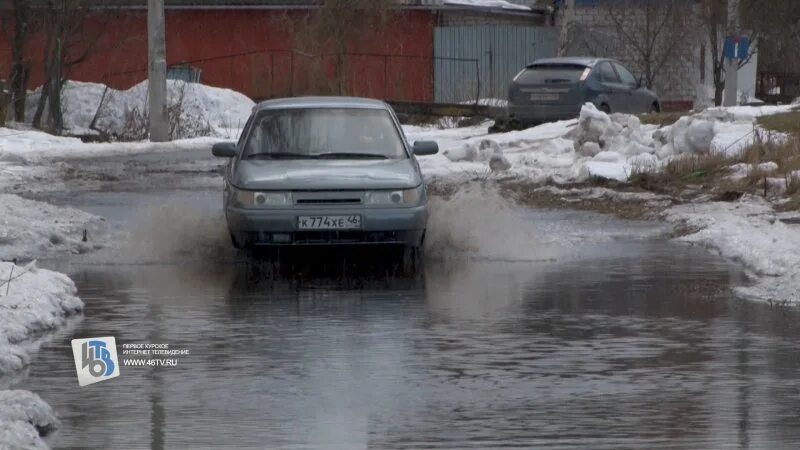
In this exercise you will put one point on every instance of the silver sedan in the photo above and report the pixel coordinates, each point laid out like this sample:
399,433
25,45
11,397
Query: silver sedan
324,171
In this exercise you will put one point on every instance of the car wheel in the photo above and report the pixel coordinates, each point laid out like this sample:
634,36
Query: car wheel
235,243
605,108
412,258
654,109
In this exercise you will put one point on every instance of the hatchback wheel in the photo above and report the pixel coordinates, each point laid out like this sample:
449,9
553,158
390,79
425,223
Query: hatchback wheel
236,244
412,259
654,109
605,108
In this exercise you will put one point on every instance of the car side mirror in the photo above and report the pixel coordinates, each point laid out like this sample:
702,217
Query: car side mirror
422,148
224,150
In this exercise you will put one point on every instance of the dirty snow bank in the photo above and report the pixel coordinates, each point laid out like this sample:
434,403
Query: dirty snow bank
565,151
500,4
79,104
34,301
749,232
31,146
596,145
31,229
37,300
222,110
24,418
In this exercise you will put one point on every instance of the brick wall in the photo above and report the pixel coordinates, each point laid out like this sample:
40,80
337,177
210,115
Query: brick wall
595,34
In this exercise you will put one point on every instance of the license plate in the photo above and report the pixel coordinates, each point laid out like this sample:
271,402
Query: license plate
544,97
328,222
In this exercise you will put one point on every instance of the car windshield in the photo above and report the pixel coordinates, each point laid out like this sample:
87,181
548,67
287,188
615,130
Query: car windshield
336,133
551,73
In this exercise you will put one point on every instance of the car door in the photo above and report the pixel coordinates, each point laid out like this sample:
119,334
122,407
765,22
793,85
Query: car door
617,94
637,98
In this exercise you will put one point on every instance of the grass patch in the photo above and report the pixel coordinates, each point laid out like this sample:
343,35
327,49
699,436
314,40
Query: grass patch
785,123
661,119
708,171
792,205
527,194
711,173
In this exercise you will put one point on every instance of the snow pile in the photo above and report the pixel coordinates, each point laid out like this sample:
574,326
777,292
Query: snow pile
216,110
748,113
566,151
748,231
717,130
31,146
35,300
596,145
30,229
615,143
689,135
494,4
79,104
24,417
14,144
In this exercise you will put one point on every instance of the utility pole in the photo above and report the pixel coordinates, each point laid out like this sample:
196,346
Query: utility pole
731,97
157,72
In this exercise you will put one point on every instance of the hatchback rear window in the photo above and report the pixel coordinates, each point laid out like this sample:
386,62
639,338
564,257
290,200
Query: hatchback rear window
551,74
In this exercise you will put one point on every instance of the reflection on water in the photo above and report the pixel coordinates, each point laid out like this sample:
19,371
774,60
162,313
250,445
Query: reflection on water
602,336
621,344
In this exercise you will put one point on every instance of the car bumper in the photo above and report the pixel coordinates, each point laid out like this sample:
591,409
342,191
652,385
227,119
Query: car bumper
279,227
543,113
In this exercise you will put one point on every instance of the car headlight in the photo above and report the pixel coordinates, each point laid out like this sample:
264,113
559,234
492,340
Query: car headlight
254,199
404,197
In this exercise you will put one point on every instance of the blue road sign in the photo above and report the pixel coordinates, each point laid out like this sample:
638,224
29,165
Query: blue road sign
736,47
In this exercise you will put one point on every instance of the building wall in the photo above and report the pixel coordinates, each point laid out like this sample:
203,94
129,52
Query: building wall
595,34
686,80
251,51
481,61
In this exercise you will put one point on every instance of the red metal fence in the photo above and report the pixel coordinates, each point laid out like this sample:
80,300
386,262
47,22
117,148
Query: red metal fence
264,74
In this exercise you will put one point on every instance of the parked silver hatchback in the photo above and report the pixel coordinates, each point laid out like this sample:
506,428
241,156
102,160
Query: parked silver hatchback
324,171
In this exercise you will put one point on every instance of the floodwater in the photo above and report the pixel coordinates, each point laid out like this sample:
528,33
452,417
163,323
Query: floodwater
609,336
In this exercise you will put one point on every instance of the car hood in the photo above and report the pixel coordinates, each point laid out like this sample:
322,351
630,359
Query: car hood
316,174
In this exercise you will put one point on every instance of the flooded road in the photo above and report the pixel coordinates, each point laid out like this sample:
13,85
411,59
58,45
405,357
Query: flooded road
608,337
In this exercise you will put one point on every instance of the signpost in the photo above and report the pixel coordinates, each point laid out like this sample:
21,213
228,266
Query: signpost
732,63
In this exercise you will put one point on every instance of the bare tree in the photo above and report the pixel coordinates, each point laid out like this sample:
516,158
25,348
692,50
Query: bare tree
650,33
17,24
567,13
757,18
778,26
68,41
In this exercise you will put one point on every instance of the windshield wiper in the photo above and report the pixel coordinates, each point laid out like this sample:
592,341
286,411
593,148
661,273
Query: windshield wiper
280,155
350,155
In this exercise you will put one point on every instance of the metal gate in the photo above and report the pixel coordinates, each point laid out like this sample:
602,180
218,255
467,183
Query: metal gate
501,52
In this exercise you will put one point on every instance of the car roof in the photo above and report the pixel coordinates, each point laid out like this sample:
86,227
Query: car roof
321,102
578,60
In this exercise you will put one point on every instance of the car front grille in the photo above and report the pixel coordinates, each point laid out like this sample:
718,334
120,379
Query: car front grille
329,201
